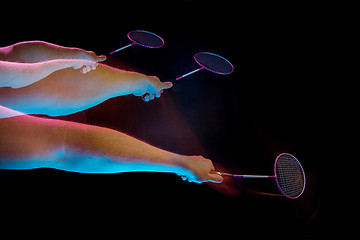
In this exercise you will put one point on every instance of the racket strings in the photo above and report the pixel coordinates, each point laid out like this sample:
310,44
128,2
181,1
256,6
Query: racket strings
214,63
290,176
146,39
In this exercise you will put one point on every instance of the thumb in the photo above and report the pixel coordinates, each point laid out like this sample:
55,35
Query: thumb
100,58
166,85
215,178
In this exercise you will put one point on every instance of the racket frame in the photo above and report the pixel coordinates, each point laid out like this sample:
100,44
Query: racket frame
204,67
216,55
277,182
137,43
272,176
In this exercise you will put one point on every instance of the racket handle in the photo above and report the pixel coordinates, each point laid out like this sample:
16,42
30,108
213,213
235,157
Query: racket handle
221,173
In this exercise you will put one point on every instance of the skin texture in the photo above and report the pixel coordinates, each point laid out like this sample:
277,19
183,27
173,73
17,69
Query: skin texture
30,142
44,78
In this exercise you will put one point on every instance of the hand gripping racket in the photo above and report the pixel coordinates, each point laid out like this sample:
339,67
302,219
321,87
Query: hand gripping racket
288,173
143,38
209,61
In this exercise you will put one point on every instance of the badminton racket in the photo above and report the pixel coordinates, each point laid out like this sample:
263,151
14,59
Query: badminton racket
288,173
142,38
211,62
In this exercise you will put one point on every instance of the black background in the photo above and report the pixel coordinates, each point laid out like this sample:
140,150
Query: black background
242,121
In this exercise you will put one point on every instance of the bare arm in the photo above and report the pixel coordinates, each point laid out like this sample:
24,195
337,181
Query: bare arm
29,142
24,63
16,75
68,91
47,90
39,51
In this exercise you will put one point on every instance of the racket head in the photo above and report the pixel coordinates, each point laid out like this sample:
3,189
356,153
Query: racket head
146,39
289,176
214,63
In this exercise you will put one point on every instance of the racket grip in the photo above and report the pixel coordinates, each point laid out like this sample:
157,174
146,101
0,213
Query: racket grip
221,173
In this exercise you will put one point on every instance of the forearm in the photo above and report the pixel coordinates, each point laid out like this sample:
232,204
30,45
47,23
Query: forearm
101,150
68,91
18,75
31,142
38,51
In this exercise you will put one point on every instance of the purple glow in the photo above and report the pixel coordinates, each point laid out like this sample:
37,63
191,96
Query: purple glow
145,39
218,57
282,183
276,177
212,62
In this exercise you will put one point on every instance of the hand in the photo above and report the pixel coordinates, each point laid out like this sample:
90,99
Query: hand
199,170
90,60
90,55
85,66
152,88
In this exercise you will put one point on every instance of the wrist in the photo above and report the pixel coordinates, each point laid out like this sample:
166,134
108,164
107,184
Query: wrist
139,83
73,53
181,161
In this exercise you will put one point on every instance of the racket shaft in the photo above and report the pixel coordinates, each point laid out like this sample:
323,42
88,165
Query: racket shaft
185,75
250,176
122,48
242,176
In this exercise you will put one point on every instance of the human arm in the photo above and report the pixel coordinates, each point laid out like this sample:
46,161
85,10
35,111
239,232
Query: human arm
17,75
30,142
39,51
68,91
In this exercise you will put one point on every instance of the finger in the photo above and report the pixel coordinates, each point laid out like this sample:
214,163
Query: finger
159,93
90,55
195,180
184,178
215,178
94,66
145,97
88,68
101,58
139,94
83,70
152,96
167,85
